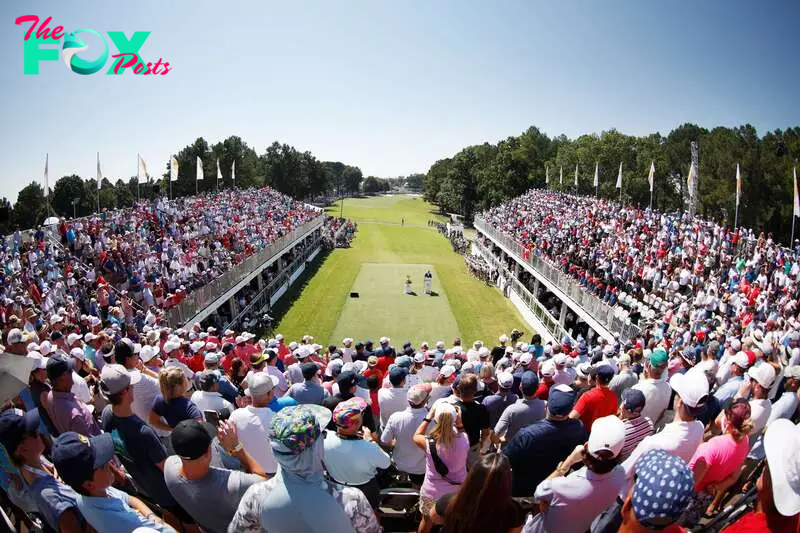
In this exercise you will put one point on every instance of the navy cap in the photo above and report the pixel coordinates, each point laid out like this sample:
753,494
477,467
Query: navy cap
529,383
604,371
379,352
346,380
56,367
560,400
407,344
309,370
76,457
633,399
397,374
14,428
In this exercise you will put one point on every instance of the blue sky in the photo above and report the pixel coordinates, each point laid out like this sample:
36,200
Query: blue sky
390,86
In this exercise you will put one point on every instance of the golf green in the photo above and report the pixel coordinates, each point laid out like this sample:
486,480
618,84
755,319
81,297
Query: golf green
393,240
382,302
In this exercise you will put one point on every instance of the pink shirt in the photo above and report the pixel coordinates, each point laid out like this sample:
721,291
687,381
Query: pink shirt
723,456
435,486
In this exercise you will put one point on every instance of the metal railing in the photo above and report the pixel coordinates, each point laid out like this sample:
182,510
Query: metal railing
556,330
204,296
594,306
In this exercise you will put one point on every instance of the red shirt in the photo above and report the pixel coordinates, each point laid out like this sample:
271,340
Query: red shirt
594,404
383,363
754,522
543,391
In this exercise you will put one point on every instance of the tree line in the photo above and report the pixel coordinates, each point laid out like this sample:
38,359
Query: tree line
483,175
298,174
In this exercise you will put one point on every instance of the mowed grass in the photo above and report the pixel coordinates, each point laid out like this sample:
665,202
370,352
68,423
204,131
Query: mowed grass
321,309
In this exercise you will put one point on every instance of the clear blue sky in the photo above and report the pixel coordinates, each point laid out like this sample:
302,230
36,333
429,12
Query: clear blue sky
391,86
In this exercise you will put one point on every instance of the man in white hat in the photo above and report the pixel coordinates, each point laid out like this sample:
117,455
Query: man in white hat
757,390
79,386
347,351
253,421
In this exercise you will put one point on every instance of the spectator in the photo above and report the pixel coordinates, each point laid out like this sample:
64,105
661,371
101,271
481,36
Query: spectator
548,371
145,386
536,450
310,391
786,405
474,415
483,503
598,402
398,434
79,386
347,383
228,391
272,369
496,404
446,450
728,390
570,502
252,422
349,456
171,404
392,400
500,350
85,465
637,427
317,505
442,387
624,379
656,389
211,495
66,411
761,378
208,398
526,411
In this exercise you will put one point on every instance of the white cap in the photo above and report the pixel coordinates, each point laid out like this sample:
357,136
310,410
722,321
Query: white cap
72,338
292,346
741,359
147,353
89,337
39,361
505,380
691,387
301,353
260,383
334,363
196,346
781,442
526,358
792,371
560,359
419,357
384,340
468,367
608,433
46,348
78,354
764,374
736,345
347,341
503,339
170,346
33,347
483,352
240,339
279,337
548,368
447,371
55,319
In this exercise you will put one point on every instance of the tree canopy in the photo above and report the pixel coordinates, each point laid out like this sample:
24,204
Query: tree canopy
483,175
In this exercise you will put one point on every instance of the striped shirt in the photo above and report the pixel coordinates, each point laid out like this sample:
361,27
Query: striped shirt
636,429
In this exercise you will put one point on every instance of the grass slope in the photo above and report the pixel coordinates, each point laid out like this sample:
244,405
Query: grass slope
321,309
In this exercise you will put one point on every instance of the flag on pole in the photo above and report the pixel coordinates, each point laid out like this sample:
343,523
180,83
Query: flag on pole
619,176
561,176
173,168
651,176
219,174
796,198
576,175
233,173
199,169
141,174
738,184
596,174
546,175
46,174
99,172
692,177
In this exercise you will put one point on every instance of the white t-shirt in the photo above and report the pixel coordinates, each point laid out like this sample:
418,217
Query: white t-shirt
252,426
656,397
407,456
144,394
211,401
353,462
391,401
759,414
80,389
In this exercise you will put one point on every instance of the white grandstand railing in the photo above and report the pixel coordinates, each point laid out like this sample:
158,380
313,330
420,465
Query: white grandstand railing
594,306
204,296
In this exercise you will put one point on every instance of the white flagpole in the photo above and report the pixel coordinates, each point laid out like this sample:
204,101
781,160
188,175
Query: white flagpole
47,184
738,191
596,179
546,176
99,182
795,209
138,180
651,178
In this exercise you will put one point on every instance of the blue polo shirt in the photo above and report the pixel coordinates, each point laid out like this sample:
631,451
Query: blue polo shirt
536,450
113,513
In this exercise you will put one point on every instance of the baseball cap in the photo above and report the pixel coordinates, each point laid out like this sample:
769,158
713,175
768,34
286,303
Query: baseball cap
526,358
15,427
397,375
529,383
604,370
658,357
633,399
654,471
191,439
419,357
78,354
692,388
261,383
583,369
737,412
792,371
46,348
147,353
258,358
211,358
72,338
76,457
207,379
505,380
16,336
309,370
560,400
447,371
764,374
404,361
608,434
114,378
372,361
346,379
296,428
548,368
348,413
417,394
57,367
741,360
781,442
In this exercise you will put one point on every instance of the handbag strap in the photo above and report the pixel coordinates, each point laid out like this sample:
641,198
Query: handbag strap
441,468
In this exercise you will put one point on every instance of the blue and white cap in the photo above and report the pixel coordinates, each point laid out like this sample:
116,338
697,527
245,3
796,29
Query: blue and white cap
664,486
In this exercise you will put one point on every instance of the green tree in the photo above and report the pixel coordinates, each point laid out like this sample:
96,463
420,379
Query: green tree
66,191
29,210
372,185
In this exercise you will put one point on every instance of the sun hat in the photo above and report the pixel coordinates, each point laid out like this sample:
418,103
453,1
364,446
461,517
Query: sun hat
663,488
609,436
781,442
296,428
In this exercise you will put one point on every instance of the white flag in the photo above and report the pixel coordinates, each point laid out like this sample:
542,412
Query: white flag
596,174
691,178
199,169
561,175
576,175
46,174
173,168
796,198
619,176
219,174
738,184
546,175
651,176
233,173
99,172
141,175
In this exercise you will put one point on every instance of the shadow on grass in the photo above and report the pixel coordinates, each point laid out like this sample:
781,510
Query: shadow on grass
433,293
290,297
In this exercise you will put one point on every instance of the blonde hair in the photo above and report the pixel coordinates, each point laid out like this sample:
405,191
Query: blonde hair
487,371
445,432
171,382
